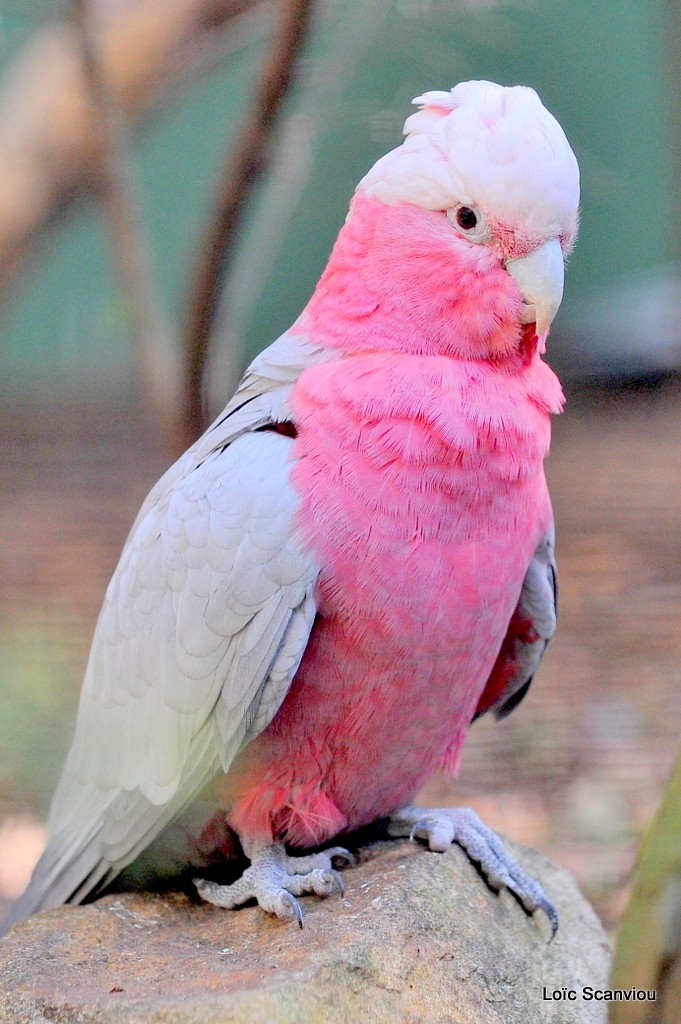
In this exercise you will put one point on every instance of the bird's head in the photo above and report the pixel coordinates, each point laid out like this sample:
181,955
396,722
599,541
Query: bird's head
498,166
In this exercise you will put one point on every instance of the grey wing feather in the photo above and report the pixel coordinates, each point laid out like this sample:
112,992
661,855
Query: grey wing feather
203,626
532,626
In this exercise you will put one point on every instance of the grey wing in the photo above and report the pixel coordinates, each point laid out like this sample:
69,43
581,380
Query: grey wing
532,625
261,399
203,626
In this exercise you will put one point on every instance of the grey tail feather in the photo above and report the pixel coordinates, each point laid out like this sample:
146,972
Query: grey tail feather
59,877
72,869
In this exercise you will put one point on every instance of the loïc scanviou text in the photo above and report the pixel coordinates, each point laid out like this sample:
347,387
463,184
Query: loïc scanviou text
607,995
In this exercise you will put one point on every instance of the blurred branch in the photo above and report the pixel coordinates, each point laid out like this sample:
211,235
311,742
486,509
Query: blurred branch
124,222
48,141
241,172
648,950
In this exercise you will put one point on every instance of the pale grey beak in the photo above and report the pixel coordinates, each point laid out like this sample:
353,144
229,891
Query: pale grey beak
540,278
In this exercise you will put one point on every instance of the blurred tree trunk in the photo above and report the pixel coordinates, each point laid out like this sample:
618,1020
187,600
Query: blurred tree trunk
128,242
49,145
648,951
242,170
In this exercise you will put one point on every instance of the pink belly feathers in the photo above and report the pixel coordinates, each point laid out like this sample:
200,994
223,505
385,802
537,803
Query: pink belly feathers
423,495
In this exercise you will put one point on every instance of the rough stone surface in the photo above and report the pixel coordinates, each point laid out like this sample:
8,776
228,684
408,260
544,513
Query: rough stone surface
418,937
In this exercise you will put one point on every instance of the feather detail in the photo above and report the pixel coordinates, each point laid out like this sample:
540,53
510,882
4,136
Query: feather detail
202,629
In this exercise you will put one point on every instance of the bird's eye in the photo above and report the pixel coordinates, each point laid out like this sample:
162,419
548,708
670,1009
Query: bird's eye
470,223
466,218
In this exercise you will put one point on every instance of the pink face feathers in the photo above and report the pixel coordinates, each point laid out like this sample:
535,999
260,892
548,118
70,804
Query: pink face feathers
400,279
455,240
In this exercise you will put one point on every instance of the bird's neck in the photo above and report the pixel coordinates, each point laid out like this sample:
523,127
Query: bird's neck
399,278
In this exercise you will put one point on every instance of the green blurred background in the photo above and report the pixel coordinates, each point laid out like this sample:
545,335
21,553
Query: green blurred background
604,69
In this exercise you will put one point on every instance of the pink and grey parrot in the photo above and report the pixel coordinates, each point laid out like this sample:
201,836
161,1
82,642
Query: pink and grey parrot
357,558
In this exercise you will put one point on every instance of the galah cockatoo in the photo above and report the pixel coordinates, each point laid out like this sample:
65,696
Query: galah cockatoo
357,558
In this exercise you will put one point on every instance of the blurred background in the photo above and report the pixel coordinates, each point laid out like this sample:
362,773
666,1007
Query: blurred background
151,150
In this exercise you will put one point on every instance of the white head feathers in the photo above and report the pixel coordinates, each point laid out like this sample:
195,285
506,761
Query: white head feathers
484,145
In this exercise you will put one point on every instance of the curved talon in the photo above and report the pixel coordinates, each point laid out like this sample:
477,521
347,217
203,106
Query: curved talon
338,879
294,905
533,900
547,906
553,921
418,827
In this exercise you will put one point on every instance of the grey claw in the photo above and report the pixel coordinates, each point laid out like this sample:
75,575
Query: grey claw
537,901
552,914
417,828
533,898
338,879
294,905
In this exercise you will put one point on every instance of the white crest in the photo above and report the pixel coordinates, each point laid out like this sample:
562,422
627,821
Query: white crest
484,145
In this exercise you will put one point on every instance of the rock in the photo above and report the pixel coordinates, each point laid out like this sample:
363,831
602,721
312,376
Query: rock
418,937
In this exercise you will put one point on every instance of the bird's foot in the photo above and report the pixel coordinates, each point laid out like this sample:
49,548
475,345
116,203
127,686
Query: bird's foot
441,827
274,879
